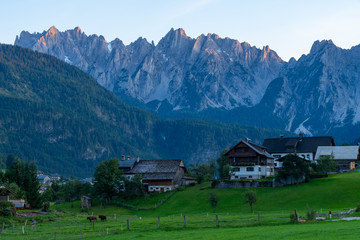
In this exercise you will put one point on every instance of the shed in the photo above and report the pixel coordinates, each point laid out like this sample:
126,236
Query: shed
5,193
85,201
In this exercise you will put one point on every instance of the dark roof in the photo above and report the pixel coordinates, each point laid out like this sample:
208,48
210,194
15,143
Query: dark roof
157,166
86,197
257,148
296,144
164,169
42,177
126,163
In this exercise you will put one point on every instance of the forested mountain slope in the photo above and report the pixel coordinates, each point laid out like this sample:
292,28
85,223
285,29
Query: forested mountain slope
61,118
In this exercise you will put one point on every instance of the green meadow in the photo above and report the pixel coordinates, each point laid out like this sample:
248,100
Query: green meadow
338,192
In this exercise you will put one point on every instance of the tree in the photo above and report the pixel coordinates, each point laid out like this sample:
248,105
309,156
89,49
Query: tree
31,185
223,166
294,167
326,164
108,178
134,187
250,198
213,199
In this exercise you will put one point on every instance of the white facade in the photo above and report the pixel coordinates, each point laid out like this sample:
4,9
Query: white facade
250,172
308,156
159,188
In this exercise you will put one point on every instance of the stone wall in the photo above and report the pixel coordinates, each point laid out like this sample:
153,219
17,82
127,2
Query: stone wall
245,184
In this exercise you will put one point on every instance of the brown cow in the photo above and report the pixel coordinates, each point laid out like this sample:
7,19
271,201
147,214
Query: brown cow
91,218
102,217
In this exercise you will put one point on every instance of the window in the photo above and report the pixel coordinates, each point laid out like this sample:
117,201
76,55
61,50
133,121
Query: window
236,169
151,188
259,169
236,177
250,176
250,169
275,164
239,150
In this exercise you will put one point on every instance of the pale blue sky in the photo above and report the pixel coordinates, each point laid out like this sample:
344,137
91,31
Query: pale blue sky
289,27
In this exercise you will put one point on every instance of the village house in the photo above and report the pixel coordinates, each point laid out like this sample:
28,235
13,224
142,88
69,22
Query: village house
43,179
249,161
304,147
5,193
157,175
55,177
345,156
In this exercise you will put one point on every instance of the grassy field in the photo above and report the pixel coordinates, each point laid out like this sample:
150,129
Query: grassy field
337,193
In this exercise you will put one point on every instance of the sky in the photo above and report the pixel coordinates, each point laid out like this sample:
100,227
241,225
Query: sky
288,27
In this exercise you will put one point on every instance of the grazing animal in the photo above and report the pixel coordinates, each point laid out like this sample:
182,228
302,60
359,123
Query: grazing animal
102,217
91,218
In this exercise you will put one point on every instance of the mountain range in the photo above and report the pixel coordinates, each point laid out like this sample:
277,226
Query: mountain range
220,79
58,116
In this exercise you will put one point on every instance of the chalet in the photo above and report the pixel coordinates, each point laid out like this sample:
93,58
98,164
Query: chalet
157,175
345,156
5,193
54,177
249,161
43,179
304,147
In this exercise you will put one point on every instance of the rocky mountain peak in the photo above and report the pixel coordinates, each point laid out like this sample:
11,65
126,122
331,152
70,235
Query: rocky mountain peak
52,32
319,45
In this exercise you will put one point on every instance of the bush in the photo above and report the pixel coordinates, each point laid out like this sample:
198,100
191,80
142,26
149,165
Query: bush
293,217
357,208
7,209
311,215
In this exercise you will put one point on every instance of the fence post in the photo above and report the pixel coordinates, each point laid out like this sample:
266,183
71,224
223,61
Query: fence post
2,227
259,220
296,215
127,224
107,231
23,229
93,225
184,221
158,222
217,221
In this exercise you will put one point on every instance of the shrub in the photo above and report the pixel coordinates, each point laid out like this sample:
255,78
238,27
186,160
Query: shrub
310,215
293,217
357,208
7,209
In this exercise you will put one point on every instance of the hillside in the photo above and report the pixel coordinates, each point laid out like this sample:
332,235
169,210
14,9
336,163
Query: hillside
61,118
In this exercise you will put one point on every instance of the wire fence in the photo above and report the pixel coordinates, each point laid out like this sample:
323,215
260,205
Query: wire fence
75,227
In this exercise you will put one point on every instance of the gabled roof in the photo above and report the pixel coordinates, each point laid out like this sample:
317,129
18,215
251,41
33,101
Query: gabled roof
257,148
164,169
7,190
42,177
296,144
339,152
126,163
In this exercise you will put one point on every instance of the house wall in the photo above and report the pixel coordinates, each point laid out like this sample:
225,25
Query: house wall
4,198
345,165
177,181
306,155
244,172
159,185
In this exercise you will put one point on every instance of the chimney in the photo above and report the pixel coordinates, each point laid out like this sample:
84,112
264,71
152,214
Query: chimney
122,157
137,159
247,140
301,135
128,158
